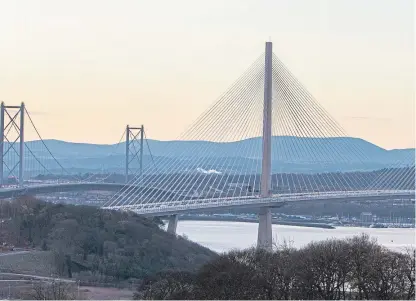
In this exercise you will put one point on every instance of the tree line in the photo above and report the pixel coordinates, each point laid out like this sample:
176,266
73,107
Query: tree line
354,268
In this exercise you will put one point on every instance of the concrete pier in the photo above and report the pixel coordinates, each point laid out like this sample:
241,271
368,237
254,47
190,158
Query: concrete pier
264,236
172,224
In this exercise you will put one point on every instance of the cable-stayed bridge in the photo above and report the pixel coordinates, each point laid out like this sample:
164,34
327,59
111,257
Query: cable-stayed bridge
265,142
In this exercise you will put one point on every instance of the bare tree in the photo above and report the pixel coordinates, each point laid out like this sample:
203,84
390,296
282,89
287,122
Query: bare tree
409,269
322,270
53,290
167,286
361,254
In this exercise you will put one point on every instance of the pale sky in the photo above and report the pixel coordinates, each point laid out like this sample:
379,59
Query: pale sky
85,69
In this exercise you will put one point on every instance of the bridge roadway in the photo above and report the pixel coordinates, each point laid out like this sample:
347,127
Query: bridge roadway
195,205
204,205
68,187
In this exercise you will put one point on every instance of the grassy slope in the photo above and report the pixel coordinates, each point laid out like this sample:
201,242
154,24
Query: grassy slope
33,263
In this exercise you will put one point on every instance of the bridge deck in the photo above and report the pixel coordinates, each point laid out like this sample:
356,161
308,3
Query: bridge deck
202,205
161,208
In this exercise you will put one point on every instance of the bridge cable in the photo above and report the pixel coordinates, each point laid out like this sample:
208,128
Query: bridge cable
205,119
191,177
46,147
312,109
196,125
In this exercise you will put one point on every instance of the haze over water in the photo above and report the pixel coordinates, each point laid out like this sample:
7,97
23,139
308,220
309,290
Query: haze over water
225,236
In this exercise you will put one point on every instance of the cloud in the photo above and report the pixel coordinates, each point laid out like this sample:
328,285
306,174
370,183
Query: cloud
210,171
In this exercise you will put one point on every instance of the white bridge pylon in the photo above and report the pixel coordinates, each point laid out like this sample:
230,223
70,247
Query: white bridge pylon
264,236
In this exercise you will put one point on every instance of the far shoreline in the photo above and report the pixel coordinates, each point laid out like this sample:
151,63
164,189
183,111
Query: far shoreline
249,220
223,218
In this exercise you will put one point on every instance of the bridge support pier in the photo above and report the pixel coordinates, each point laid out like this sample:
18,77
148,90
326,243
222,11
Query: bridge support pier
172,224
264,236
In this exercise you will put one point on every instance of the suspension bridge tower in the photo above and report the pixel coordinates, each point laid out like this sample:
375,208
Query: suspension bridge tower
264,237
14,115
133,152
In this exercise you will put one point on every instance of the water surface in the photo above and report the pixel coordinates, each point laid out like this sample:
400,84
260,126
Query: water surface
224,236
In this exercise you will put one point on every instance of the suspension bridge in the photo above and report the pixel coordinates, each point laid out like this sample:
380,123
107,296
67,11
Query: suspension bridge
265,142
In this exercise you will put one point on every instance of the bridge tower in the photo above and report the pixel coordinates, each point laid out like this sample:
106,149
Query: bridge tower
15,116
132,153
264,237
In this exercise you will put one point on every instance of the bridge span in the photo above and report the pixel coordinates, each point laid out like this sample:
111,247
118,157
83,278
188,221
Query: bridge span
167,207
203,205
68,187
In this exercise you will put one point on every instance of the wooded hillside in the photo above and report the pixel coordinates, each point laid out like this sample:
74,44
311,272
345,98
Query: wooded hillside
95,243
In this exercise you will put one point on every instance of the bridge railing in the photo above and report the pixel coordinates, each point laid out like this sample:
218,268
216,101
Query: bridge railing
175,206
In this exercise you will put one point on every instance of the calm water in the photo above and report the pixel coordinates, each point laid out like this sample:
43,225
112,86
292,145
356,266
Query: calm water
225,236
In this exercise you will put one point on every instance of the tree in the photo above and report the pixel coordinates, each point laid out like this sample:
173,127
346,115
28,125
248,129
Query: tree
54,290
388,279
322,269
361,252
409,269
232,276
169,285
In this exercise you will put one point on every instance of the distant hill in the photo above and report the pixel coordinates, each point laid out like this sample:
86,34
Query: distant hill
290,154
